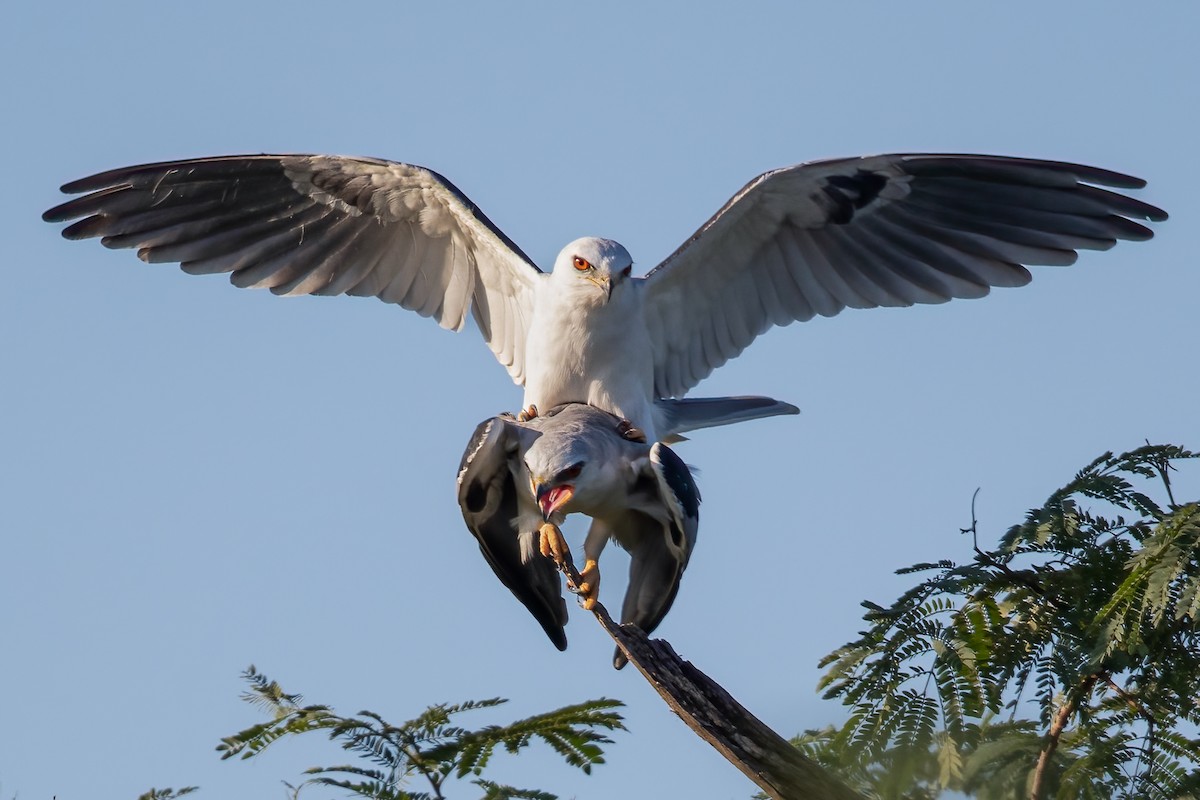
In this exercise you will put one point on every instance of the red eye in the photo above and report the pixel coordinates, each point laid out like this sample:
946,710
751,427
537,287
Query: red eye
582,264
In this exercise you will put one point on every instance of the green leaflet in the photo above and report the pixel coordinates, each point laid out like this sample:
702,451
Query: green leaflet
1073,643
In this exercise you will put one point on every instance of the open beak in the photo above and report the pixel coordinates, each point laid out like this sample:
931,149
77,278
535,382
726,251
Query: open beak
552,498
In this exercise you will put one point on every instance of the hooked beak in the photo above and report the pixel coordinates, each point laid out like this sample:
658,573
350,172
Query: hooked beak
552,498
604,284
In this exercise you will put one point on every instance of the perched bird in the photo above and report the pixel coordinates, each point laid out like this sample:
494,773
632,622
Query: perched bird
515,476
794,243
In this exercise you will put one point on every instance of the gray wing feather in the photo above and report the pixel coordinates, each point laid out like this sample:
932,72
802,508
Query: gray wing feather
322,225
890,230
654,575
487,495
659,548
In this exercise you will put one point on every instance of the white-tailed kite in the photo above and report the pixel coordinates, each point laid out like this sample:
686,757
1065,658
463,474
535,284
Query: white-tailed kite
794,243
515,476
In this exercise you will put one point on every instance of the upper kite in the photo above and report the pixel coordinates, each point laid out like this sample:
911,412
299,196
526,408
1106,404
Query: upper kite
807,240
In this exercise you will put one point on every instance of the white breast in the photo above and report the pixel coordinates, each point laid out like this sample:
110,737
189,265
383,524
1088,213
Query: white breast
587,352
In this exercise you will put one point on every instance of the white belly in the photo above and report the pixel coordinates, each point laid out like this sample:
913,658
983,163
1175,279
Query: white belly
598,354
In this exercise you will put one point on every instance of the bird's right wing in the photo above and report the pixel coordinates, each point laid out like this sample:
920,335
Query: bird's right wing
487,495
321,225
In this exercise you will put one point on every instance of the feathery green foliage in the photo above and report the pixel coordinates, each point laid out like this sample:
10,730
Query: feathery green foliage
1086,622
430,746
167,794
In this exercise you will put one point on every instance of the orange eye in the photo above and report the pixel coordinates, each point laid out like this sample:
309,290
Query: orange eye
582,264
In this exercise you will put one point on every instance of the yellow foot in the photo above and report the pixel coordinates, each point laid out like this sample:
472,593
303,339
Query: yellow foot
626,430
527,414
589,589
553,545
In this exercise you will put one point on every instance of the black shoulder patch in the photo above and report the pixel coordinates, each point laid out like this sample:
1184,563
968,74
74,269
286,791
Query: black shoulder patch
677,475
851,193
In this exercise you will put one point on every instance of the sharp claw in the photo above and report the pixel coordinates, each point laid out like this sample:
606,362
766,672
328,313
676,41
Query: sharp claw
528,413
626,430
553,545
589,587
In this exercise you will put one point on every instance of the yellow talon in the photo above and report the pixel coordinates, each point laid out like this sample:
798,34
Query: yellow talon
528,414
589,588
552,543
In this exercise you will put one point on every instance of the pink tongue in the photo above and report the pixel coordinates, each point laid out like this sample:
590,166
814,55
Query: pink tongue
551,498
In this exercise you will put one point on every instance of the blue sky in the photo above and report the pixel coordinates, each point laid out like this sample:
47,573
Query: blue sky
195,478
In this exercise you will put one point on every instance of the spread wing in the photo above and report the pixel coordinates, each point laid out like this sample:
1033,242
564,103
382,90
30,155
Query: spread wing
322,225
487,495
889,230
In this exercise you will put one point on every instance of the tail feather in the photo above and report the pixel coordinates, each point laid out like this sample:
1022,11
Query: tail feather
693,413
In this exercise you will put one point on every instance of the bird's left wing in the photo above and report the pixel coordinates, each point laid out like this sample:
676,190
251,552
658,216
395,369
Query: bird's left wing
659,545
890,230
680,495
321,225
487,495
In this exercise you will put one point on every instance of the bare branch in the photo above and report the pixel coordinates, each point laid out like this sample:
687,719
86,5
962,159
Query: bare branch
763,756
1057,724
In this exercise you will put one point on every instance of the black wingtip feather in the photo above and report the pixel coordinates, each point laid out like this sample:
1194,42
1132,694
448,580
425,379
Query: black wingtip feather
61,212
87,228
1129,230
1001,168
1154,214
215,165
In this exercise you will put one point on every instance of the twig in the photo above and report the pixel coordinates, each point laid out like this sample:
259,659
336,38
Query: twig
990,560
1163,465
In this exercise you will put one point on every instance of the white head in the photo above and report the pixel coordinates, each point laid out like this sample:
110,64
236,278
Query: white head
593,266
